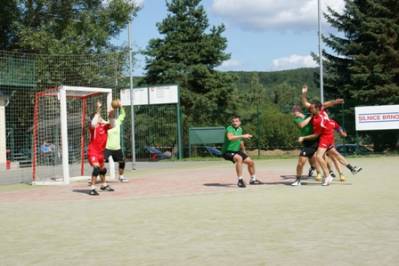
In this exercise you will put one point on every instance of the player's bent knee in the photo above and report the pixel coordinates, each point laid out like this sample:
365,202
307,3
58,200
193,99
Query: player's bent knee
122,165
96,171
238,160
103,171
249,161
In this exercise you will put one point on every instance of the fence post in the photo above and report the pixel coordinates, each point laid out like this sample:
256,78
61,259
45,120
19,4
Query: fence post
179,126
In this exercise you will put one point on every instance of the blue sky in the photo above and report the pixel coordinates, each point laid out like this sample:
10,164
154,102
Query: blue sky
263,35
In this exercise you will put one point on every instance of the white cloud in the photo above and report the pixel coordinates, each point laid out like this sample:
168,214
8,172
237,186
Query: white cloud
273,14
231,64
293,61
140,3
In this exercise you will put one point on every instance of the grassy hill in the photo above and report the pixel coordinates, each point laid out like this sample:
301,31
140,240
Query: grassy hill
292,78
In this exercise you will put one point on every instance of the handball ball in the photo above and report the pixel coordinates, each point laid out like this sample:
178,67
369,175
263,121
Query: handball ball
115,104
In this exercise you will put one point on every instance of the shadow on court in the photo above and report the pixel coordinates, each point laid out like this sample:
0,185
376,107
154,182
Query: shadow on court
228,185
219,185
83,191
294,177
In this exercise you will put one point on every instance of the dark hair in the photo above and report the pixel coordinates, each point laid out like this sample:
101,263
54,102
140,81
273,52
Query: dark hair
235,116
317,104
296,108
92,116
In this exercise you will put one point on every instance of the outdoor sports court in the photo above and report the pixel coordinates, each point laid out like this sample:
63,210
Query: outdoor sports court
192,213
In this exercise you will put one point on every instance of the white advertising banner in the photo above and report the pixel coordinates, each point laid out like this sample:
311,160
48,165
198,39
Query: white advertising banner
377,117
164,94
140,96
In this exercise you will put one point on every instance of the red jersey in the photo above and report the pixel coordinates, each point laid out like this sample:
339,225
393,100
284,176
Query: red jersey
98,138
337,126
322,124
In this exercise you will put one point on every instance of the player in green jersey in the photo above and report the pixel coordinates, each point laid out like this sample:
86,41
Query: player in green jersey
234,150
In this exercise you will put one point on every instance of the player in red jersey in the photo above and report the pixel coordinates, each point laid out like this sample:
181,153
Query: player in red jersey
338,158
98,139
323,127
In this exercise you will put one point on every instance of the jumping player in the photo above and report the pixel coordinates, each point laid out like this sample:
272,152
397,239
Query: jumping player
98,139
324,129
234,150
309,147
113,147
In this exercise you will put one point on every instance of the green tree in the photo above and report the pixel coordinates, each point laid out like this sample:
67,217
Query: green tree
364,65
9,13
187,53
68,27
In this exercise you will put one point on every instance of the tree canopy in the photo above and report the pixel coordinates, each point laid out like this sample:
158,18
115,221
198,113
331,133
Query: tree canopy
187,53
364,65
63,27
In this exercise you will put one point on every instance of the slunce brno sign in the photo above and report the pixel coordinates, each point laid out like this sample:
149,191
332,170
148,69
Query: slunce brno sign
381,117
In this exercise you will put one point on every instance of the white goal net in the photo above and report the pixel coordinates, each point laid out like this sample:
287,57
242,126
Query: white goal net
61,133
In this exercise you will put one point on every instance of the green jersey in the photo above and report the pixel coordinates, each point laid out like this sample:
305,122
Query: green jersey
306,130
232,145
114,134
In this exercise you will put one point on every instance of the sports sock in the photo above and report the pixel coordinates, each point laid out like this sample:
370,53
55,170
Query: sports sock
93,187
240,178
298,178
253,178
349,166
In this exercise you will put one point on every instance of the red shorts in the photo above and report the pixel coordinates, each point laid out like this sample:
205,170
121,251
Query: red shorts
326,142
96,158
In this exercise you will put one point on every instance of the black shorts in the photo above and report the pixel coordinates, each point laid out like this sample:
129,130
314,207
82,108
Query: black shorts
229,155
309,149
117,155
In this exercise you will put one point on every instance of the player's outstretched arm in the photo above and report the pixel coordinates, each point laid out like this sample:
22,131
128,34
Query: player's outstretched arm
342,133
122,114
96,117
307,138
231,137
304,123
304,97
333,103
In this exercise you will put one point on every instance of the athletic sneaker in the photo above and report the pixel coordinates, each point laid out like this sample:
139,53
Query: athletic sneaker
297,183
332,174
107,188
255,182
93,192
327,181
241,183
356,170
310,173
318,177
123,179
342,178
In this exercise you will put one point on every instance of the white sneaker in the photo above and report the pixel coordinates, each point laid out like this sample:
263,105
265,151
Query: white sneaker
297,183
123,179
327,181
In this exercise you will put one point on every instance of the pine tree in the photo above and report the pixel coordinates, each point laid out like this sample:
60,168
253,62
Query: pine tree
364,65
187,53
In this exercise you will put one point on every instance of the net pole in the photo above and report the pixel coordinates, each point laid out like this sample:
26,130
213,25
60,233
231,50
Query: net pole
130,37
35,128
83,136
64,135
320,53
179,126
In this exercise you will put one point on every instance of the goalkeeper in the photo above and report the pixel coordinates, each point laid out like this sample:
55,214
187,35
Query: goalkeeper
113,147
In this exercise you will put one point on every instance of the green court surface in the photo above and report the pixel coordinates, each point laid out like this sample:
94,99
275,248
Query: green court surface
355,223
